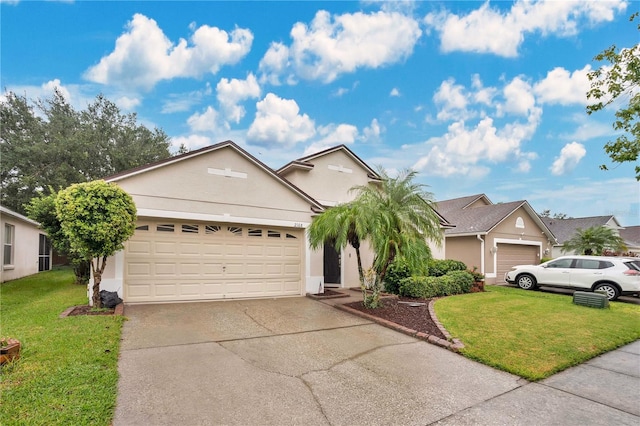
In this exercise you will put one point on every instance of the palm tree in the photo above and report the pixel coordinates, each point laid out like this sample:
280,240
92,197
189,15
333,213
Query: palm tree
340,225
594,240
400,217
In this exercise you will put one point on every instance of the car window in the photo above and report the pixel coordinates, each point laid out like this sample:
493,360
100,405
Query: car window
604,264
634,264
588,264
560,263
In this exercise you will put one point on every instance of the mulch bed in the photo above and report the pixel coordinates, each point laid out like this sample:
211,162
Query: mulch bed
413,317
87,310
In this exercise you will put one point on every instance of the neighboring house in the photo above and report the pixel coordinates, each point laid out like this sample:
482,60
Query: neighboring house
494,237
217,223
25,247
631,237
565,229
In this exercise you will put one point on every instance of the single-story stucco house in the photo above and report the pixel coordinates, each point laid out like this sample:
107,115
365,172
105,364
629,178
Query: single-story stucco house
25,247
217,223
494,237
565,229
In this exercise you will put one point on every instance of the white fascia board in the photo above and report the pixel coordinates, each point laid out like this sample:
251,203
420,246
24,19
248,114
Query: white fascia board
219,218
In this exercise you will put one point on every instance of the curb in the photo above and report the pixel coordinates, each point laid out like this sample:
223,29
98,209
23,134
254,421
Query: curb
119,310
454,345
335,296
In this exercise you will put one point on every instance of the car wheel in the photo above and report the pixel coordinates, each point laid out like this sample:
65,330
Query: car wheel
610,289
526,282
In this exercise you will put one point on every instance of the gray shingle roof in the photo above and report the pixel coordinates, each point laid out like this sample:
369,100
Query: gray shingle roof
476,219
564,229
631,234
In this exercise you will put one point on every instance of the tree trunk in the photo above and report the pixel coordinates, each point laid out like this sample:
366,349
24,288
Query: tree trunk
98,269
359,260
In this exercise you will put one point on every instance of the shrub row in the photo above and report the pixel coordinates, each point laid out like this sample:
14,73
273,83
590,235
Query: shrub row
454,282
440,267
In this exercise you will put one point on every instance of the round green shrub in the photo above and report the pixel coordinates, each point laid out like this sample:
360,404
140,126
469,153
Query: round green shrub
398,271
439,267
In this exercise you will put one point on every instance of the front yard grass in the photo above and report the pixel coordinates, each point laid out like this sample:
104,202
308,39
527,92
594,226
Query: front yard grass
534,334
67,373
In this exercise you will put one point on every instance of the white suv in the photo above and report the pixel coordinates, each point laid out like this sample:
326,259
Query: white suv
614,275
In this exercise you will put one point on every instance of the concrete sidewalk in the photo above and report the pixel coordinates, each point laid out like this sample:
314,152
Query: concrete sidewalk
297,361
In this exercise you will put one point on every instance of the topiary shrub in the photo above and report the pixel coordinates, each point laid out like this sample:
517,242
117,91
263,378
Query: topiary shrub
455,282
395,274
440,267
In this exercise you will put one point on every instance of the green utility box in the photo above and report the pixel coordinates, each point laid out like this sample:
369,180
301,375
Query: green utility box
593,300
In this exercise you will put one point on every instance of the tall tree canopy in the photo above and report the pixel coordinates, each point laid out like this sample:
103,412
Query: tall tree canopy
49,144
619,79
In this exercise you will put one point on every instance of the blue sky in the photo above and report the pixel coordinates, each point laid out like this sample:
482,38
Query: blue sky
479,97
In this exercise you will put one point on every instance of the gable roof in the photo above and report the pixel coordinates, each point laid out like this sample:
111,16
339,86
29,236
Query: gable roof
564,229
482,219
18,216
631,235
168,161
305,164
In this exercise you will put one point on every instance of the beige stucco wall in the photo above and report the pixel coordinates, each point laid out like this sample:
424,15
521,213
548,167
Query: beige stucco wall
25,249
464,249
327,186
188,186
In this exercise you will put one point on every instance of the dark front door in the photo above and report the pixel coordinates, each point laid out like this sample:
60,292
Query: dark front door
331,265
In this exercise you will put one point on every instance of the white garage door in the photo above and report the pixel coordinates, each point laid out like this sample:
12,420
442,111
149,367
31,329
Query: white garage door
178,261
510,255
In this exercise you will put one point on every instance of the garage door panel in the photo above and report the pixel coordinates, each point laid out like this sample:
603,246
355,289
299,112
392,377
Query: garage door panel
219,262
190,269
165,269
164,247
139,269
140,248
190,248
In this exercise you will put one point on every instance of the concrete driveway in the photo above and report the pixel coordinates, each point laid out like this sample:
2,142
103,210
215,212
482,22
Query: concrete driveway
299,361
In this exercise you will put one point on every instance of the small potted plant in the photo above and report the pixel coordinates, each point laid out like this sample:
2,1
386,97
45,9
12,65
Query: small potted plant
9,350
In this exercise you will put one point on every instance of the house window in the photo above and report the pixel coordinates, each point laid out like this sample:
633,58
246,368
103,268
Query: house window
190,229
165,227
211,229
519,223
44,254
254,232
9,238
235,230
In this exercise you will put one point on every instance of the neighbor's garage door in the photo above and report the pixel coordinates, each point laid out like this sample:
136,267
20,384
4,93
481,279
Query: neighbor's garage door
171,261
510,255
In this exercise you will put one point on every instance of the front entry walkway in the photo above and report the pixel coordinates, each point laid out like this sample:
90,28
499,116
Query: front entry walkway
298,361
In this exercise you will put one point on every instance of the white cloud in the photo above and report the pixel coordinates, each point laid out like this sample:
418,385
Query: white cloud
331,46
373,131
451,100
394,92
519,97
192,142
570,156
144,55
274,63
563,87
491,30
279,122
333,135
127,103
462,150
208,121
232,92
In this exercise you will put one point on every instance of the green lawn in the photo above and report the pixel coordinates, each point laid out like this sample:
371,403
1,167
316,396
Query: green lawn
67,373
534,334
